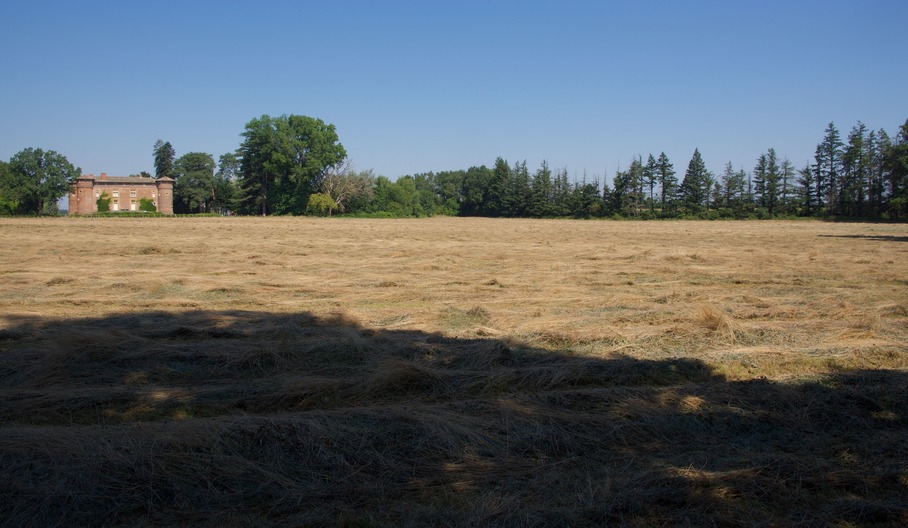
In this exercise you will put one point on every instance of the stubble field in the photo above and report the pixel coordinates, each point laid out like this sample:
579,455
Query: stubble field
452,372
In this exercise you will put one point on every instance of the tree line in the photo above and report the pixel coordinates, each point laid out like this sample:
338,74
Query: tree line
864,176
296,165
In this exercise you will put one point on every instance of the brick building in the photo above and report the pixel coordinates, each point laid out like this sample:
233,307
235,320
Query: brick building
124,193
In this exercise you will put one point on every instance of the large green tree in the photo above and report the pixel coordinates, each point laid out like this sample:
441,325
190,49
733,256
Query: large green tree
194,190
283,160
164,157
476,191
224,189
7,205
35,179
399,198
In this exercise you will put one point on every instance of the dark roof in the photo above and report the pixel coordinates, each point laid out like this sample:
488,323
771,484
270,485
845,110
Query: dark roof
123,179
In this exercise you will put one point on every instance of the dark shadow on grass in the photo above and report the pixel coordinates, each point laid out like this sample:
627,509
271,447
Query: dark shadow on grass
255,419
881,238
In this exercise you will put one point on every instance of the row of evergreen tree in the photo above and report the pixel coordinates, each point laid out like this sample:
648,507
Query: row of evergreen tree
865,176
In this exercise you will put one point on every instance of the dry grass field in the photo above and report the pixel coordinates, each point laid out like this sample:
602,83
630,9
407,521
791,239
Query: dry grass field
452,372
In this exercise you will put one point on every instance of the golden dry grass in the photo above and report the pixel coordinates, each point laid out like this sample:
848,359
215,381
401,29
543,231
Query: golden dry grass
452,371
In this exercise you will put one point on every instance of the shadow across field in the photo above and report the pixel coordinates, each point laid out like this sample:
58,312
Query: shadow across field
252,418
881,238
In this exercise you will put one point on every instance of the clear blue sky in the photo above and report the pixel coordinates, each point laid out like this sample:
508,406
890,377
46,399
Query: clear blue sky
435,85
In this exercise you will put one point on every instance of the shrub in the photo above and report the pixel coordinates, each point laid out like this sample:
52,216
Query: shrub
103,203
147,205
321,204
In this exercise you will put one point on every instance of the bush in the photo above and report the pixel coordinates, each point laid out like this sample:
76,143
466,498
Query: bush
103,203
147,205
321,204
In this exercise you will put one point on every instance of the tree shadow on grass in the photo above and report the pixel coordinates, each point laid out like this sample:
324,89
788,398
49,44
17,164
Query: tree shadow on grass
881,238
252,418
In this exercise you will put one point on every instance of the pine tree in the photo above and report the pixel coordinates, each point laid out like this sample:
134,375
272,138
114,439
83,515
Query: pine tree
773,180
788,173
607,199
585,199
517,200
650,178
541,192
164,157
807,190
759,181
767,178
854,173
730,187
877,143
635,187
828,168
694,186
717,196
499,188
561,193
734,189
896,164
668,183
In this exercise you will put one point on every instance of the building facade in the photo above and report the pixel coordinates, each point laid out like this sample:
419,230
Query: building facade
124,193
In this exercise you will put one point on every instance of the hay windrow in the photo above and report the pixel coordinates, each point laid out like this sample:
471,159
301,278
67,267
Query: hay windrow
454,372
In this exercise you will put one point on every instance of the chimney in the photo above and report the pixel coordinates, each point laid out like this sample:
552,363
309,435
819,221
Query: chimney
103,175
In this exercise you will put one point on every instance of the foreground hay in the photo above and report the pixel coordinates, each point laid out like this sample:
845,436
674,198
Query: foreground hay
453,372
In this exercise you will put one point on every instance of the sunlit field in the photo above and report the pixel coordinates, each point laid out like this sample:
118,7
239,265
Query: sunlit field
452,372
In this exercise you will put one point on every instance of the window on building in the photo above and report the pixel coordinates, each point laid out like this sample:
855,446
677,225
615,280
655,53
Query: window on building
116,193
116,206
132,205
132,193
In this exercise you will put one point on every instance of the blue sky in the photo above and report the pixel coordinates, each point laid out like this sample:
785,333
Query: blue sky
437,85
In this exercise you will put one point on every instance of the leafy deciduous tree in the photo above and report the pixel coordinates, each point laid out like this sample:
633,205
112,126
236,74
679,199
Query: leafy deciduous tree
283,160
321,204
35,179
194,189
476,192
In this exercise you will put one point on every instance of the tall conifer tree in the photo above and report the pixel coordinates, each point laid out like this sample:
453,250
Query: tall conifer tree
694,186
668,183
